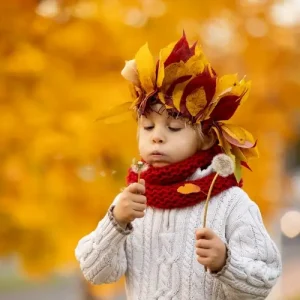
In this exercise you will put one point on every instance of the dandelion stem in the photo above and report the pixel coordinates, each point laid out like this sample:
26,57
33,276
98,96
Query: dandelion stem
206,204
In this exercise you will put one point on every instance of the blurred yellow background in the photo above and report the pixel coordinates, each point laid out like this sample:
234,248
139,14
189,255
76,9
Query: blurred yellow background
60,63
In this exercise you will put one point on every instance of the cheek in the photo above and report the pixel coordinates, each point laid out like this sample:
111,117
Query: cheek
141,139
187,143
192,143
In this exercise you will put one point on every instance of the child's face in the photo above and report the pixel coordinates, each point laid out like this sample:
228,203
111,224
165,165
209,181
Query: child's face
164,140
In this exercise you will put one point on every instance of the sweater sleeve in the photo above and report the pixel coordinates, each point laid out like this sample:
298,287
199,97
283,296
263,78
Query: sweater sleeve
253,262
101,254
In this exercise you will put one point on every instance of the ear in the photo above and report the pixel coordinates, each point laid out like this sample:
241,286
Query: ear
208,141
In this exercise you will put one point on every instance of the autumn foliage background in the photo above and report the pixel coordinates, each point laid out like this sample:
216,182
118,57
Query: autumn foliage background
60,64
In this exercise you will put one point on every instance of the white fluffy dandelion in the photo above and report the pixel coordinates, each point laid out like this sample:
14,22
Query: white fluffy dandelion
139,167
223,165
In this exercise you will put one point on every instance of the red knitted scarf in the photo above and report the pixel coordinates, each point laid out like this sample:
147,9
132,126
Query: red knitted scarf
162,182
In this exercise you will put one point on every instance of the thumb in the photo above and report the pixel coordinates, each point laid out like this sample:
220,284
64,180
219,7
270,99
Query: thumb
142,181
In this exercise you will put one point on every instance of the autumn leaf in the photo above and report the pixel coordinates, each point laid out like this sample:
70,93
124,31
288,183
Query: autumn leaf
146,68
188,188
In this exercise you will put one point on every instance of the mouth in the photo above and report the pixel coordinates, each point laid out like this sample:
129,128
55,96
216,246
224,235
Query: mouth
157,154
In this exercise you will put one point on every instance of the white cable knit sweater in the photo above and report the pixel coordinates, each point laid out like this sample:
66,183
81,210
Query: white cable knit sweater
157,253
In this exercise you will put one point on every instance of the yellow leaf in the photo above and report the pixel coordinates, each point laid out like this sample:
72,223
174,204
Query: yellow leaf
200,54
163,55
225,82
172,72
196,64
161,97
196,101
238,136
188,188
146,68
250,152
178,92
223,143
219,137
237,152
229,85
119,109
238,170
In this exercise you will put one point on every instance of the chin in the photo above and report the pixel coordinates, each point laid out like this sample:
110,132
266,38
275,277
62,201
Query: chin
158,164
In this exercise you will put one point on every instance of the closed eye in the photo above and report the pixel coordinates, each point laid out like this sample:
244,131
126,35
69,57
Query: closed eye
148,128
174,129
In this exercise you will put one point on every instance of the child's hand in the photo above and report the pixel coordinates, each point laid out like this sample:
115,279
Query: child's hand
131,203
210,249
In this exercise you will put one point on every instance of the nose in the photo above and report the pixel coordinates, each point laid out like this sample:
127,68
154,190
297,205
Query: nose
157,140
158,137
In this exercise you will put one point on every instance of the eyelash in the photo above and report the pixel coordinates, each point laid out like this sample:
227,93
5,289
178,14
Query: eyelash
148,128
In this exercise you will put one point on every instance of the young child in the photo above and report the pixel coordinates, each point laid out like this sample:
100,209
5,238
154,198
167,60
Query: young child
153,231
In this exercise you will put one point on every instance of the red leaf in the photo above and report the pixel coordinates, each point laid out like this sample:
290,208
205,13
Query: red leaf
202,80
225,108
244,164
181,51
177,81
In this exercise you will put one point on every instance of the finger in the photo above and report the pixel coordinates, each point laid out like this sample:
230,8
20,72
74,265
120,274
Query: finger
138,214
139,199
138,207
136,188
142,181
204,233
204,244
205,261
203,252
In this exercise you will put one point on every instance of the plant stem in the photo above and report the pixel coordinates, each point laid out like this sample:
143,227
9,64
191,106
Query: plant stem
206,204
208,198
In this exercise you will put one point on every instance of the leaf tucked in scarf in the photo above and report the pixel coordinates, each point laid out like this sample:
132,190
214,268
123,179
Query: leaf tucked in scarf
188,188
146,68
